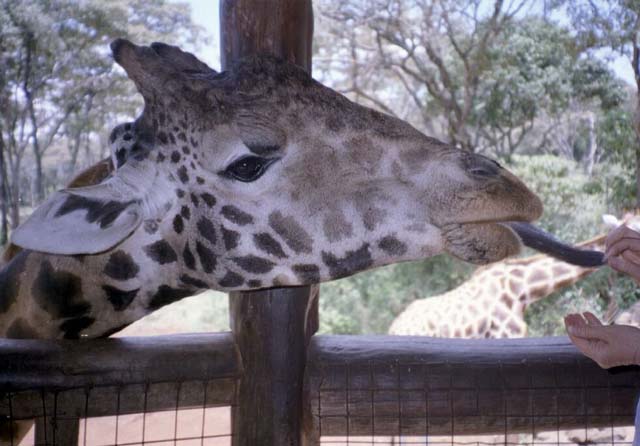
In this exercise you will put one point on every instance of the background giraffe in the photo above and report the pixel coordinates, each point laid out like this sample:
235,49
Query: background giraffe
492,302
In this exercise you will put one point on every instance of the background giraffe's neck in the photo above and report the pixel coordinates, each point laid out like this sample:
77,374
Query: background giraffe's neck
533,278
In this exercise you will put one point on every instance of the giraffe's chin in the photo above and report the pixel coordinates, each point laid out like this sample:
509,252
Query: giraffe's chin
480,243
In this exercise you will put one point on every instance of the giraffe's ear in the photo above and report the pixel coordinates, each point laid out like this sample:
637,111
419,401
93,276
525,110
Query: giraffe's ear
90,220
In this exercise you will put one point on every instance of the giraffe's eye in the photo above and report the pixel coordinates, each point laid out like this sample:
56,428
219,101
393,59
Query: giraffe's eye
248,169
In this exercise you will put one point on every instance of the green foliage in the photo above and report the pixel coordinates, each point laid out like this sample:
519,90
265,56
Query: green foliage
573,202
368,302
617,138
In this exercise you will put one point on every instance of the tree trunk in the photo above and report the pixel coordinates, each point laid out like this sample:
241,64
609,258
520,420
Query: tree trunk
4,196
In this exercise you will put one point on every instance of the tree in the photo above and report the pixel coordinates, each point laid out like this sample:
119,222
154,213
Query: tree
613,25
438,46
59,86
485,79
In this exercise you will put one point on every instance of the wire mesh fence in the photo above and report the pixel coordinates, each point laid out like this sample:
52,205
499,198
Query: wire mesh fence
172,413
357,391
427,392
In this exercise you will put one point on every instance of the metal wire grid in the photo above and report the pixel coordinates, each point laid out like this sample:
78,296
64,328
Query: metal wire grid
137,415
356,400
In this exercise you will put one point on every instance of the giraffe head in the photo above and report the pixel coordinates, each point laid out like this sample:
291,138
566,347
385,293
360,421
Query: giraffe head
260,176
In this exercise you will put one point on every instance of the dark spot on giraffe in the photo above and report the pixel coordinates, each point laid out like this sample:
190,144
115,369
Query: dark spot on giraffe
268,244
150,226
121,156
9,285
538,276
336,227
189,259
182,137
291,232
372,217
121,266
254,264
468,331
518,272
559,270
307,273
193,142
207,257
199,180
178,224
127,136
185,212
254,283
235,215
513,327
392,246
73,327
197,283
231,280
209,199
183,124
194,199
113,135
175,156
180,193
59,293
507,301
172,138
230,238
20,329
334,122
352,262
162,118
161,157
166,295
193,165
127,127
161,252
102,212
515,287
185,150
120,299
500,314
207,230
183,175
162,136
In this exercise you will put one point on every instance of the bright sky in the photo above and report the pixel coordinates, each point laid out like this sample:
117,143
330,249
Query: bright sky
205,13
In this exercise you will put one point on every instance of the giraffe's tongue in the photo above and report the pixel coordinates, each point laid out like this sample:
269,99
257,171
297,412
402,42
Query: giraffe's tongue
542,241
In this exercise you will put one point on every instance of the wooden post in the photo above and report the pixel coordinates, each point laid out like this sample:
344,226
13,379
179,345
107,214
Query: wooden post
272,328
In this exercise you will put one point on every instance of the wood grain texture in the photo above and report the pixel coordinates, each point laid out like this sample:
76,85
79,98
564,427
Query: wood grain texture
402,385
271,327
29,364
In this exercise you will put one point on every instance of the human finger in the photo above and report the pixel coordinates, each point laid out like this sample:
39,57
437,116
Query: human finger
619,263
619,233
624,244
591,318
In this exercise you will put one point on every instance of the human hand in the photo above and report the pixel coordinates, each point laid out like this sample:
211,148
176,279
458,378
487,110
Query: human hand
622,251
608,345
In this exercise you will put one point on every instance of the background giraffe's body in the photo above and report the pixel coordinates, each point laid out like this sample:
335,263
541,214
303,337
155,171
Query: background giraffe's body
492,302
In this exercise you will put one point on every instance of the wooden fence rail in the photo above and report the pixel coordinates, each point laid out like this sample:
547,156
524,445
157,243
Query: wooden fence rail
354,385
